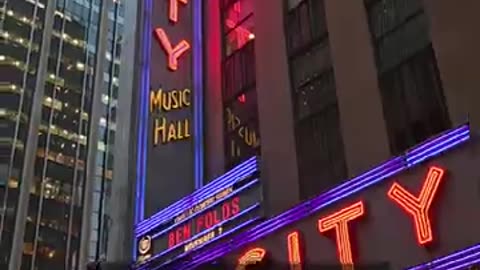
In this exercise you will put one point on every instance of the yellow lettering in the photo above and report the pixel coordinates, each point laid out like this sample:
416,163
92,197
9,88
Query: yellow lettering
167,101
172,132
241,132
186,129
186,98
155,100
160,126
223,193
203,239
233,121
175,102
249,137
180,132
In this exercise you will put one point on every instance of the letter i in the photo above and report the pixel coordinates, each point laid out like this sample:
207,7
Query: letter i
294,253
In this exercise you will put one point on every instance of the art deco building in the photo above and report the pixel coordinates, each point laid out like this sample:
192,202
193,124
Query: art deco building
357,113
59,83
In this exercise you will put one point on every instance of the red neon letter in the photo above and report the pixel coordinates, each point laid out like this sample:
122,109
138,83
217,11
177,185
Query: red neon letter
171,239
200,224
187,231
253,256
418,206
294,256
339,222
173,10
172,53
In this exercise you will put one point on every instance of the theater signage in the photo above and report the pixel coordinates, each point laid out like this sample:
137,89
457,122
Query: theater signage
214,212
417,211
170,135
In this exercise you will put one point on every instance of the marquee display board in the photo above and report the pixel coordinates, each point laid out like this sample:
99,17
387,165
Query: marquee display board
211,213
417,211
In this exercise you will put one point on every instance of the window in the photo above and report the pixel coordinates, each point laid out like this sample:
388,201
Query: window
238,25
320,153
305,25
410,85
242,138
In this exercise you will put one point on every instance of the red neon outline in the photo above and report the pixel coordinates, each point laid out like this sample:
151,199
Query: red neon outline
339,222
419,206
242,98
172,54
294,253
252,256
173,9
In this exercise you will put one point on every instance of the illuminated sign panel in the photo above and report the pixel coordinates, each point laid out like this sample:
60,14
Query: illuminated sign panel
219,215
411,212
169,155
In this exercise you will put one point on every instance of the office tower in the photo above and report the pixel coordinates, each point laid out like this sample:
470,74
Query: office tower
59,68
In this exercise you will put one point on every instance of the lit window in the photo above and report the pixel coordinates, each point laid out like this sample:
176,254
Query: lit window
80,66
13,183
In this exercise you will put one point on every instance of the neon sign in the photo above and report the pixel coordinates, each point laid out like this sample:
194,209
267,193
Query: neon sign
294,252
170,105
173,53
430,185
162,101
251,257
339,221
419,206
210,219
173,10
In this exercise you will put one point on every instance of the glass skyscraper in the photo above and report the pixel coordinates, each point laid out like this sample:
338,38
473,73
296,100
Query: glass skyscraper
59,68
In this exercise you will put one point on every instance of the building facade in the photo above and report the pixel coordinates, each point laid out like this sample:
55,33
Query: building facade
335,133
59,82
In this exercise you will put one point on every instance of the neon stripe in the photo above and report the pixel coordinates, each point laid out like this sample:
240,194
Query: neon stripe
199,91
242,170
256,181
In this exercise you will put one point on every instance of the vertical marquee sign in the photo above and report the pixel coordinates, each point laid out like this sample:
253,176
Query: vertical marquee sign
170,137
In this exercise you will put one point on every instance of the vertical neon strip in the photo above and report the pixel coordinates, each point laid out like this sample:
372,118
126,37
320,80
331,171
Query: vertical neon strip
143,119
198,89
146,91
143,116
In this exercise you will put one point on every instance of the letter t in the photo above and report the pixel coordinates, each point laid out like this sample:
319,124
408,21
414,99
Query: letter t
419,206
338,221
173,9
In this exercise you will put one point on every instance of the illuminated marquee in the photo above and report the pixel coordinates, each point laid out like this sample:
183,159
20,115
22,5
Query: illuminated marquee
210,219
407,202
